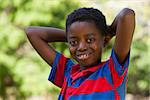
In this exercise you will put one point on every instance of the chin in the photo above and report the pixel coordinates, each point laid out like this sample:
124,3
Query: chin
87,65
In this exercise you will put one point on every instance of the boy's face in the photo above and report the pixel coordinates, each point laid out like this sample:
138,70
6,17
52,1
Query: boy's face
85,43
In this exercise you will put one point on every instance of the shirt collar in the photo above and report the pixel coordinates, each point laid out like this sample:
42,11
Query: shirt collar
76,71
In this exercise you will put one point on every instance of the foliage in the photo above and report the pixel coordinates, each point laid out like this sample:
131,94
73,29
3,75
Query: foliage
21,68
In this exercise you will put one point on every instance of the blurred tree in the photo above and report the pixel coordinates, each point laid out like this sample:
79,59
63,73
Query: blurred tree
18,61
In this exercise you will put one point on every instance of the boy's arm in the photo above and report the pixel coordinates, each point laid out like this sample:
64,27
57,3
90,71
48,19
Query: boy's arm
39,38
123,26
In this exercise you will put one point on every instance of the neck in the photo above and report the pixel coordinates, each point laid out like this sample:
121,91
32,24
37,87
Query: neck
92,65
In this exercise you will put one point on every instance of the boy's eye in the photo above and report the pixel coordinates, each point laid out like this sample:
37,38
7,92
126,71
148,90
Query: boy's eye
73,43
90,40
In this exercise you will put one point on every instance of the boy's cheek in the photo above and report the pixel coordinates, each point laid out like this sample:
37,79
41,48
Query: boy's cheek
97,47
72,51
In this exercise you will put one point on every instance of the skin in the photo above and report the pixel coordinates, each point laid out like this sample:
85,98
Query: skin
85,39
122,26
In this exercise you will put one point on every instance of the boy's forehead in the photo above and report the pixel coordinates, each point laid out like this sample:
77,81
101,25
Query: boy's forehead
88,28
82,24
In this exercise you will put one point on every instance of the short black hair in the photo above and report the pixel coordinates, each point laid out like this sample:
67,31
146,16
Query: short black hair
87,14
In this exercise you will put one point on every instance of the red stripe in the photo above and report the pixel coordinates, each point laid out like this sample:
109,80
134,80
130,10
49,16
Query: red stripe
63,89
59,76
117,80
64,86
117,97
89,86
84,72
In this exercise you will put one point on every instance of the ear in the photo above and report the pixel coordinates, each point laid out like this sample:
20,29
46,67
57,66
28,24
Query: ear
106,40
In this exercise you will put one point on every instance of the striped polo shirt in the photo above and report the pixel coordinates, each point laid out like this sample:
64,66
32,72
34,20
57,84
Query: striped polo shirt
105,81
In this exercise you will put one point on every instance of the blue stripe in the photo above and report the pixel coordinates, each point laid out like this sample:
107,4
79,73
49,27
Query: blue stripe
102,72
68,67
54,67
109,95
60,97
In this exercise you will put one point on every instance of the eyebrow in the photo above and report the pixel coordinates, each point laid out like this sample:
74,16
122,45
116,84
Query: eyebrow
72,37
87,35
90,34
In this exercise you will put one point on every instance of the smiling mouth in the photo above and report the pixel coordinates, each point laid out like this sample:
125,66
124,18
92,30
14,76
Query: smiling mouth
83,56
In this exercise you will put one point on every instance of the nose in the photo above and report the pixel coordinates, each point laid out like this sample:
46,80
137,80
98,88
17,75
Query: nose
82,46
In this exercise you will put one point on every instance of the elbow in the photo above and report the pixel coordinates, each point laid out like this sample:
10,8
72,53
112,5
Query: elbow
28,31
127,13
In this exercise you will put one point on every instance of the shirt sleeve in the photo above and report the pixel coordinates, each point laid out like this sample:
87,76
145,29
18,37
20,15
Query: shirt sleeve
60,69
118,71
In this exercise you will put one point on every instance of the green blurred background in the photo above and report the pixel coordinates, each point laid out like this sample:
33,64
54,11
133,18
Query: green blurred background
23,74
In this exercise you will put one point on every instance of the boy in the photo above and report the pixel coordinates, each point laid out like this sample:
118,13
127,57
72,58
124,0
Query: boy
87,33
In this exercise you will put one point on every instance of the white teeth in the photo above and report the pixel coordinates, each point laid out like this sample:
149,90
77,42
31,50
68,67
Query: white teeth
85,56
